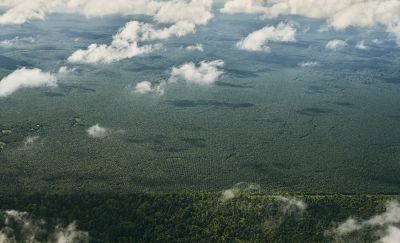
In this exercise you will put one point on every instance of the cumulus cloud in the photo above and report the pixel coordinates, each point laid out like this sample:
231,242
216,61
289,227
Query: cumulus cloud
195,11
97,131
145,87
385,224
197,47
26,78
336,45
205,73
125,43
340,14
309,64
22,226
258,40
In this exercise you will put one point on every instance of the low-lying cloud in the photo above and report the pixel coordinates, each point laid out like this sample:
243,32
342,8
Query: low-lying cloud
22,226
96,131
258,40
385,225
288,204
26,78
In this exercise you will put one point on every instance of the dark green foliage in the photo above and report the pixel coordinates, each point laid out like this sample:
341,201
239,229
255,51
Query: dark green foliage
196,217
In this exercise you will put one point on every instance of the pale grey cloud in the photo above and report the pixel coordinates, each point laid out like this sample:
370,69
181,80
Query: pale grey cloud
26,78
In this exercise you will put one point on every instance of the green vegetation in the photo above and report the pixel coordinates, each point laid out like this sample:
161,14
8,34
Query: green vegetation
198,217
76,121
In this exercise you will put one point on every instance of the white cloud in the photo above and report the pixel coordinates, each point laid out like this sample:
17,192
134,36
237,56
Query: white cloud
23,11
179,29
25,228
195,11
26,78
340,14
145,87
65,70
309,64
241,6
385,224
197,47
258,40
336,45
97,131
361,45
205,73
125,43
